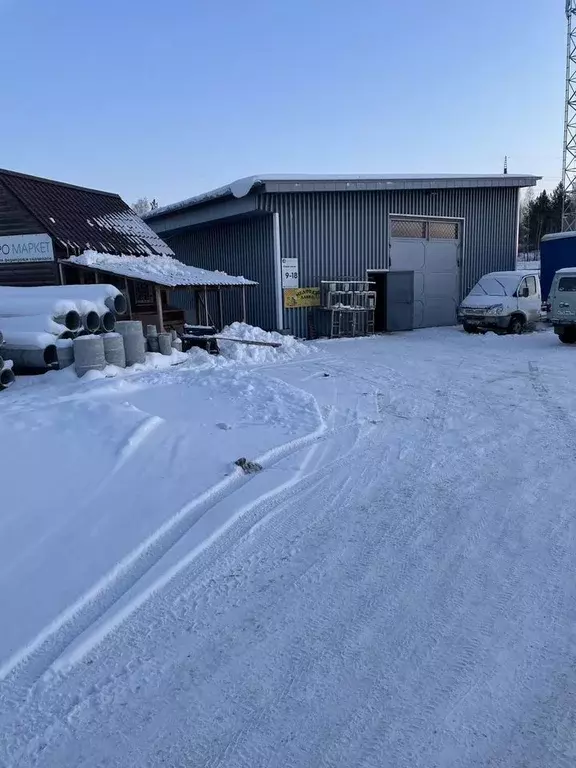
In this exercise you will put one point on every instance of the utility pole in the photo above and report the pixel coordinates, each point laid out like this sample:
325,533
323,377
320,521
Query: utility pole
569,153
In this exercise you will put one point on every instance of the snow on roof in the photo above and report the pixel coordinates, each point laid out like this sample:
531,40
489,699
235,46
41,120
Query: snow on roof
559,235
80,219
242,187
160,269
134,228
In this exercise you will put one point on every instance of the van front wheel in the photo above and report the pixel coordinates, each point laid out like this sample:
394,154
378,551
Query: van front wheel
516,324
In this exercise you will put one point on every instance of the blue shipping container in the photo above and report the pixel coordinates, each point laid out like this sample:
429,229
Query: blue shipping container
556,252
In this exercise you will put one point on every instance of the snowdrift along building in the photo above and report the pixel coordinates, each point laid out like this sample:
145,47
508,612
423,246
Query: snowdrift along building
289,233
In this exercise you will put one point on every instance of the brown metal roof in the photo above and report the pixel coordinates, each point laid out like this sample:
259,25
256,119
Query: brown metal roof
84,219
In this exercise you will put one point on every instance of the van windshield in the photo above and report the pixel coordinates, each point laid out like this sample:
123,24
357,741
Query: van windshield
495,286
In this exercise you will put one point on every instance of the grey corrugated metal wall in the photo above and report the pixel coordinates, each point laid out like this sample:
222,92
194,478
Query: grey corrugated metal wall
241,247
344,234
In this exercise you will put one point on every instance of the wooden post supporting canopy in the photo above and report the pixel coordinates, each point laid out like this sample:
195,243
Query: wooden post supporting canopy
159,308
220,308
206,319
128,302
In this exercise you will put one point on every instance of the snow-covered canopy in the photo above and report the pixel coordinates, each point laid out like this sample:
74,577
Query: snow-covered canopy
159,269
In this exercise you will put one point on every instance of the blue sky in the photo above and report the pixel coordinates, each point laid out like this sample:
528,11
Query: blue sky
168,99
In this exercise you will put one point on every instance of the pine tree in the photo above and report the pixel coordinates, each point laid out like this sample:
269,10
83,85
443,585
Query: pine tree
539,215
556,208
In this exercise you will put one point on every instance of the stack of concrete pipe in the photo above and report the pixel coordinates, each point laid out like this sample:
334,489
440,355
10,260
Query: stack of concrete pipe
176,341
6,374
37,321
152,338
134,341
58,326
162,342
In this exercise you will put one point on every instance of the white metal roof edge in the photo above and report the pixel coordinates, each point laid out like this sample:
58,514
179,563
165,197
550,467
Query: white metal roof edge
558,235
241,187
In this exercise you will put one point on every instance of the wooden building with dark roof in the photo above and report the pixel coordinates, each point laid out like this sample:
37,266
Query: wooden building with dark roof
56,233
65,220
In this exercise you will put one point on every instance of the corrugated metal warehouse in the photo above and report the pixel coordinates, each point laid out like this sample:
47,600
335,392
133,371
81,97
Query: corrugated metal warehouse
289,232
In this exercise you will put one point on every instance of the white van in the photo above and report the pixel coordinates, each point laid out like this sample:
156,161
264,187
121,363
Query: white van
562,304
502,302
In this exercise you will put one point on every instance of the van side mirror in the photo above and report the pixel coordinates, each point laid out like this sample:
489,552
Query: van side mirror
524,292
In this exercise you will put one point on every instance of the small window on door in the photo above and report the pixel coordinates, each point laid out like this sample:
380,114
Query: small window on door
532,288
443,230
408,228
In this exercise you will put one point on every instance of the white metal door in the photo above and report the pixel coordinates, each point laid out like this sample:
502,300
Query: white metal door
430,248
532,303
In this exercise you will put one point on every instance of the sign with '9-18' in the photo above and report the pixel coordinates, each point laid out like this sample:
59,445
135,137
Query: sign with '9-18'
290,276
17,248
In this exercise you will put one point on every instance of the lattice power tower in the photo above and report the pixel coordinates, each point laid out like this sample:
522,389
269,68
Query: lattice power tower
569,157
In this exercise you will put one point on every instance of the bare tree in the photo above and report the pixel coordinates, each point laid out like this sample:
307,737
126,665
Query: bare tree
142,206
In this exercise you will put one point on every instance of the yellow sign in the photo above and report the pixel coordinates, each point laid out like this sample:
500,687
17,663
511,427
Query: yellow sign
301,297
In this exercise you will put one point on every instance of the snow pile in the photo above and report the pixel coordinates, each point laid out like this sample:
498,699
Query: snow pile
528,266
154,361
254,354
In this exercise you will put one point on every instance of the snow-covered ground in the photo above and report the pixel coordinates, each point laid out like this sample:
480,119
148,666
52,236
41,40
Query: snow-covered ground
393,589
530,265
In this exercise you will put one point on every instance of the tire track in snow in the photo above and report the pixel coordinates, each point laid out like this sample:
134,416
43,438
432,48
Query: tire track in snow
407,530
468,650
271,531
29,664
330,496
335,453
558,414
392,729
267,460
136,440
436,420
